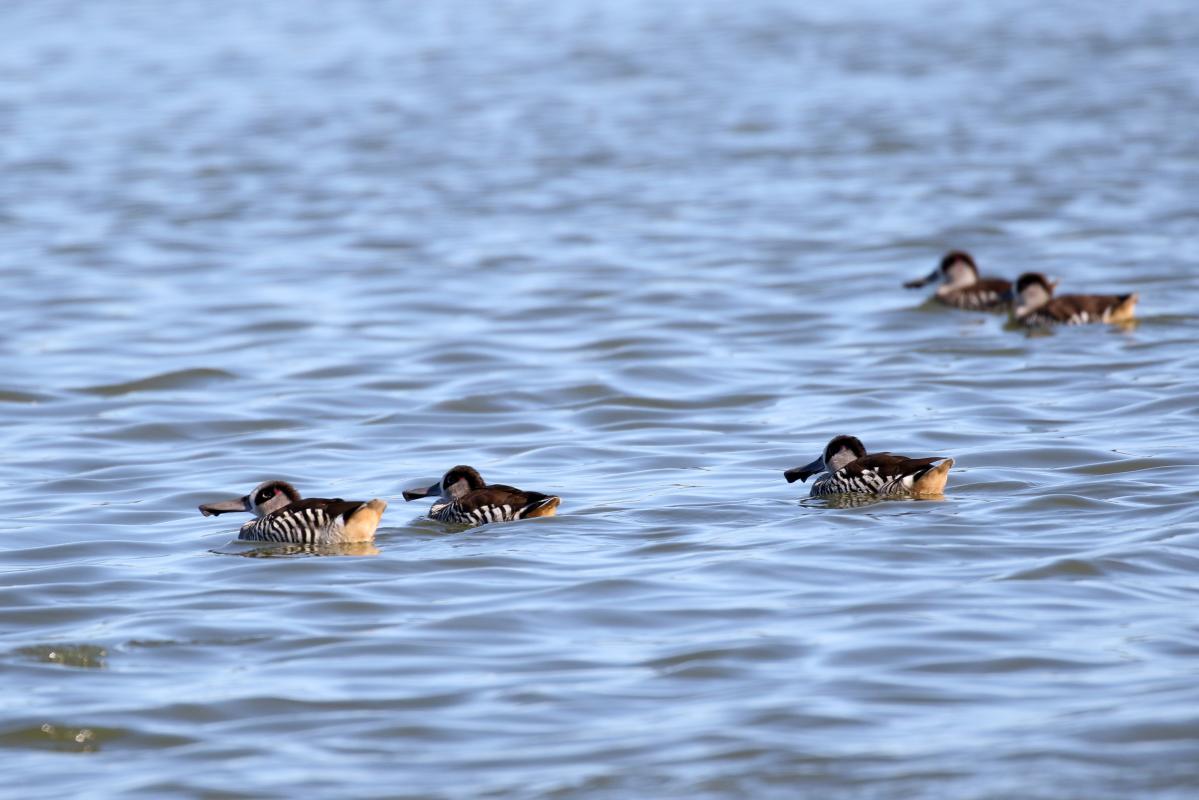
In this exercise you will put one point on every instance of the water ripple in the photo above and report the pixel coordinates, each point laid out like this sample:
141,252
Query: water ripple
643,256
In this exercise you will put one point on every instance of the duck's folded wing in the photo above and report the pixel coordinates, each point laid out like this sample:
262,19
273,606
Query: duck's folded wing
497,501
983,294
889,467
1076,308
998,286
356,519
317,512
333,508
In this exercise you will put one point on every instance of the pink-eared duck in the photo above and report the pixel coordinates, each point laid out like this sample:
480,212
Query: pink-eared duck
463,497
1035,305
845,468
281,516
961,286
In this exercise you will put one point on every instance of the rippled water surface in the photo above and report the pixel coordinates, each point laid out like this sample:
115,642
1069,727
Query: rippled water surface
645,256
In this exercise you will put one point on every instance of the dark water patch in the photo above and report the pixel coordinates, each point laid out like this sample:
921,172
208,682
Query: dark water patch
12,396
324,373
277,326
83,656
162,382
61,738
214,642
387,243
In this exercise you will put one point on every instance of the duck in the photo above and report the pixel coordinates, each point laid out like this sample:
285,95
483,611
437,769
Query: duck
464,498
961,286
1035,305
281,515
845,468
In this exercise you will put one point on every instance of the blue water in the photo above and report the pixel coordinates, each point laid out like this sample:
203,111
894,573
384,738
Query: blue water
642,256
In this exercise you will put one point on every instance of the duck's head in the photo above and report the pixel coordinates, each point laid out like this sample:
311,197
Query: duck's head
839,452
267,496
957,268
457,482
1033,290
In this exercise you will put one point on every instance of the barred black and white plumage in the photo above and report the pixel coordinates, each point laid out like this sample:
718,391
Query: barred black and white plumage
869,479
1037,307
987,294
961,286
287,525
465,499
282,516
845,468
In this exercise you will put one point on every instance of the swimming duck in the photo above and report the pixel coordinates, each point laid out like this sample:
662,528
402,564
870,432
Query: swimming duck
1036,306
961,286
281,516
463,497
847,469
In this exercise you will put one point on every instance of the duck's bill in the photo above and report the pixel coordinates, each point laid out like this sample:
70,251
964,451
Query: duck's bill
417,494
929,278
805,472
226,506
